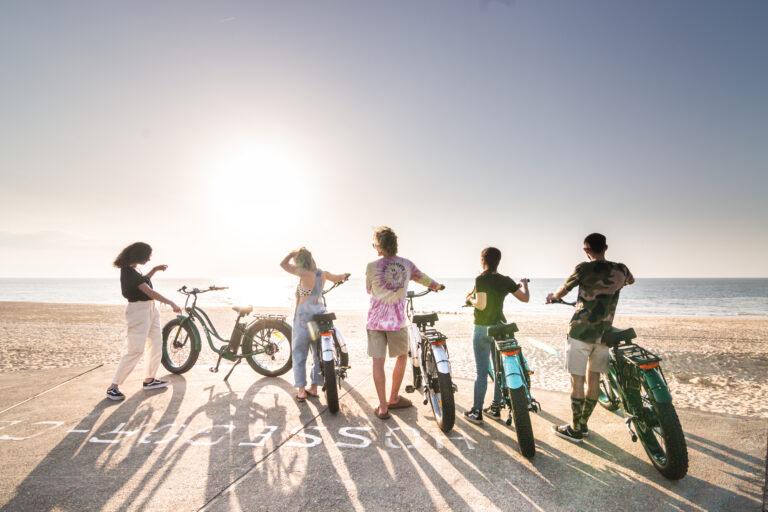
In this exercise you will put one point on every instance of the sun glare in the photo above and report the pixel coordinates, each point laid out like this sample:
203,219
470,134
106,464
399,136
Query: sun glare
257,177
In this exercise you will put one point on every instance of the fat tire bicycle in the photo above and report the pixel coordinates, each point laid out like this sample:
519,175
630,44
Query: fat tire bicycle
259,341
636,384
431,365
511,373
334,358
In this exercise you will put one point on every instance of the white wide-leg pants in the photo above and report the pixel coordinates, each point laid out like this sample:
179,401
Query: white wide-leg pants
144,329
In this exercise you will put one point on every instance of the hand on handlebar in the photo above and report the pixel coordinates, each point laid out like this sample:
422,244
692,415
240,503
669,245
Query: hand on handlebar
176,309
551,298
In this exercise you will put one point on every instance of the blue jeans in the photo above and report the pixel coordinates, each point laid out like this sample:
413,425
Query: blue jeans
482,343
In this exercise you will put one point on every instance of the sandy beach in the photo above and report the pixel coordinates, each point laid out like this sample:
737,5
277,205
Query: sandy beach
717,364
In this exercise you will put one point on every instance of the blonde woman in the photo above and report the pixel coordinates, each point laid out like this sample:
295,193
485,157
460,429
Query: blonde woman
308,303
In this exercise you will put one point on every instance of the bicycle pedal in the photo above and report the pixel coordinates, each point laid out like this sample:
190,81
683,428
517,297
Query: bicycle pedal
213,370
409,389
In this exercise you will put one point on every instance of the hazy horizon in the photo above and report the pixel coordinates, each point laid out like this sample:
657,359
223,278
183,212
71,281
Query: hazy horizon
227,134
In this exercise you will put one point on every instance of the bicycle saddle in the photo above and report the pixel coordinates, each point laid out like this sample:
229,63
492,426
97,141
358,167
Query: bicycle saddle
503,331
616,336
243,310
430,319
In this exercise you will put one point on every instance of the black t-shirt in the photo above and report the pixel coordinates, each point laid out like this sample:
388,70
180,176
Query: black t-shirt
496,287
130,279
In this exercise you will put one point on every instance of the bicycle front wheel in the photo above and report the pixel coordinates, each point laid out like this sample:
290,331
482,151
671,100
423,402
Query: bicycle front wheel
179,351
523,425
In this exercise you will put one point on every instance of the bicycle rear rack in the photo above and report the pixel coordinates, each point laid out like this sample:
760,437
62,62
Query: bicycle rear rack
637,355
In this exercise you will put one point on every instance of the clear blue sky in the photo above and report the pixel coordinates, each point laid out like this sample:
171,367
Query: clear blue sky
227,133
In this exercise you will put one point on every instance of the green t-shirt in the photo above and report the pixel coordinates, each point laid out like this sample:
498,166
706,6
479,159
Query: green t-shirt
496,287
599,285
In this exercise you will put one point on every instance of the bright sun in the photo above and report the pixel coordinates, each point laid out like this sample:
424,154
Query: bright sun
257,177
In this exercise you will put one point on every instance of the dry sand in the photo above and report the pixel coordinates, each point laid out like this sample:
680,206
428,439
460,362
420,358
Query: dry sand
715,364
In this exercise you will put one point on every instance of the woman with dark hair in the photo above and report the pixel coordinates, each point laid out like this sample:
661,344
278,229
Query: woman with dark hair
142,317
491,288
308,303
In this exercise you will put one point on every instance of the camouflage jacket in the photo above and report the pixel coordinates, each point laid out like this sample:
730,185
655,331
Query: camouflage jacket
599,285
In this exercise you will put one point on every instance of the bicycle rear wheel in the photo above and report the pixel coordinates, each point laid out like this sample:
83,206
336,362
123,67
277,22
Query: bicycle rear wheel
440,394
607,397
179,349
331,386
267,347
662,437
523,426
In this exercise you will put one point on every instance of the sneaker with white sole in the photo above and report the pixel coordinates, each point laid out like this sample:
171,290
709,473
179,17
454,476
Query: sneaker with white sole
155,384
474,416
494,411
584,430
115,394
567,432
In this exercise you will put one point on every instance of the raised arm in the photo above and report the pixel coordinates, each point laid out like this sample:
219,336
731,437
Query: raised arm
288,266
522,294
336,278
152,294
160,268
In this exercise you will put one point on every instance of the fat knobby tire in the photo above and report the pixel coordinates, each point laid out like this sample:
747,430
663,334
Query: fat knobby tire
193,354
522,419
674,439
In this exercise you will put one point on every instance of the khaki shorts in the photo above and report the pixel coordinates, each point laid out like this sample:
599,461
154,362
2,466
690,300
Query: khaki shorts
378,341
578,353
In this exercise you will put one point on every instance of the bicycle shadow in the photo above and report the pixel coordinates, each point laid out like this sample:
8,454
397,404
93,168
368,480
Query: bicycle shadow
72,461
687,491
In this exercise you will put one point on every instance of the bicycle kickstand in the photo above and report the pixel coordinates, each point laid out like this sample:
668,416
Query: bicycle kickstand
232,369
215,369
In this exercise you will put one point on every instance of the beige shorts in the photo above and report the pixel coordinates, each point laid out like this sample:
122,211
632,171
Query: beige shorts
378,341
578,353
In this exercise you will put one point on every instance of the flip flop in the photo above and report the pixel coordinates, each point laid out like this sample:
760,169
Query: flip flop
384,416
301,398
312,395
401,403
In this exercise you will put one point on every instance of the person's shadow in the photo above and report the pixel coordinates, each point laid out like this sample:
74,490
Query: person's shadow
74,476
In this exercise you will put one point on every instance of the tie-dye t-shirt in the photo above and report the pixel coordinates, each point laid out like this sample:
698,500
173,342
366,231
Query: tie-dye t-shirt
387,282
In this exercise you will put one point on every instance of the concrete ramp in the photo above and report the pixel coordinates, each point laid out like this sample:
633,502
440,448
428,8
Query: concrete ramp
204,444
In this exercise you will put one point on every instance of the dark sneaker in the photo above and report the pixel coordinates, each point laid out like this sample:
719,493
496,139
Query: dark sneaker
566,432
494,411
115,394
474,416
155,384
584,430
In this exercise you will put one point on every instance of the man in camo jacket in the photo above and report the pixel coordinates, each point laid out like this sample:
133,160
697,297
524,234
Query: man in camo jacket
599,282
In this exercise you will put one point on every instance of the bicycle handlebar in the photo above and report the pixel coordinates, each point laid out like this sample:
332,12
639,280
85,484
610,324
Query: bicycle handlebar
195,291
336,285
411,295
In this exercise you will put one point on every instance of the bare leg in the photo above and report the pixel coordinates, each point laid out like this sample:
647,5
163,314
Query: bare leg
397,378
380,381
593,385
577,386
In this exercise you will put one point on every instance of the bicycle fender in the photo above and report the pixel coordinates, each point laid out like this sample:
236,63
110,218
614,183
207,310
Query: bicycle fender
441,359
327,346
513,372
657,386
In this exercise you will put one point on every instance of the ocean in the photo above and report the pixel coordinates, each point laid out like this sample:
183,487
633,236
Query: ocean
662,297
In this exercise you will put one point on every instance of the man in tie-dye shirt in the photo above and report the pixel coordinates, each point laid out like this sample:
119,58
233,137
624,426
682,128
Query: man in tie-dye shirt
386,280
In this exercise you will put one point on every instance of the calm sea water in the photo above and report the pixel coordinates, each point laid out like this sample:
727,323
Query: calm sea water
666,297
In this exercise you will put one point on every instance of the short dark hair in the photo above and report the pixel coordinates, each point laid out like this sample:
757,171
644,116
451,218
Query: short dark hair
491,257
386,239
137,252
596,242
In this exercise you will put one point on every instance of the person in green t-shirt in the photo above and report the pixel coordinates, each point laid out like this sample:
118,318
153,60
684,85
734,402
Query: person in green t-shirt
491,288
599,282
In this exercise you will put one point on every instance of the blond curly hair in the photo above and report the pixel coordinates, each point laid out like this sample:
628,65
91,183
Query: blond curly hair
386,240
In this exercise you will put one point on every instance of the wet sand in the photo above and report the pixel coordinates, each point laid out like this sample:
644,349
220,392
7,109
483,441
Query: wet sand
717,364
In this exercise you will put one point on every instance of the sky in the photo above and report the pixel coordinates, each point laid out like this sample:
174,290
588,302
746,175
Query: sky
226,134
